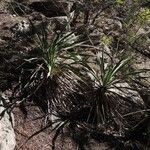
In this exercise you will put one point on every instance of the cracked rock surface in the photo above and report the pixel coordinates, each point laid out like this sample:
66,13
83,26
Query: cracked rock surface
7,135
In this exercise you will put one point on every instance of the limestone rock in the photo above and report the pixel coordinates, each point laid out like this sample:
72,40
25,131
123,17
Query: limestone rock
7,135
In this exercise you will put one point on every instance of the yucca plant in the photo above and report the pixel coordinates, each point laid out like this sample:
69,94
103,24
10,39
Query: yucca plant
44,68
108,93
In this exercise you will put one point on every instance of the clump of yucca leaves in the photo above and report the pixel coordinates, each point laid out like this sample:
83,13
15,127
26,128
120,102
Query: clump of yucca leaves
109,89
50,78
42,72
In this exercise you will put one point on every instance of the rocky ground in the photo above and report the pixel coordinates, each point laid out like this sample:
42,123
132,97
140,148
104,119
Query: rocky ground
18,38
